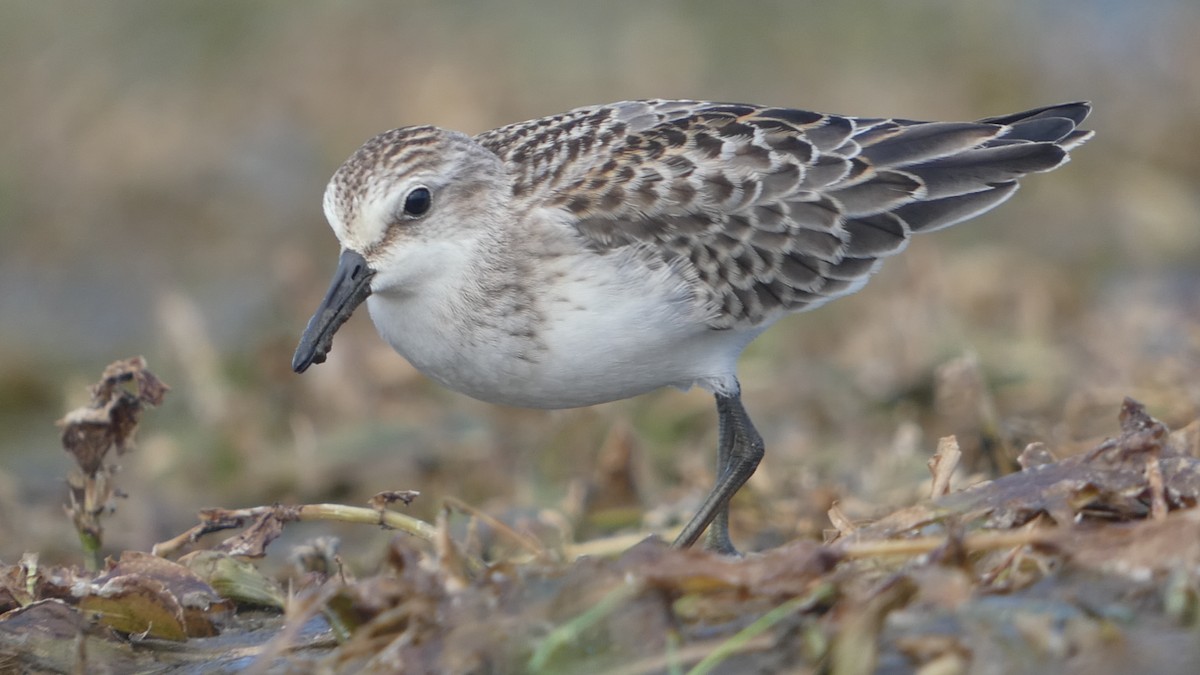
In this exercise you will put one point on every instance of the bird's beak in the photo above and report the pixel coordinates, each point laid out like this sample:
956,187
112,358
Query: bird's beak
351,285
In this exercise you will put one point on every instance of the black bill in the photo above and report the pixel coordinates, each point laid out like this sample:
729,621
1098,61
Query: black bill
351,285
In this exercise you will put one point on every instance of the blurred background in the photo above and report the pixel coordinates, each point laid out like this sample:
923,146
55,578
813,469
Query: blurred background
161,173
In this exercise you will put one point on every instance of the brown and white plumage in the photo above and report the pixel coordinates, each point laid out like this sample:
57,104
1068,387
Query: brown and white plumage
611,250
773,209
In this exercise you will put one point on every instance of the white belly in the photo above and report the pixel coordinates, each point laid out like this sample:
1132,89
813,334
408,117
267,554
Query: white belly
601,331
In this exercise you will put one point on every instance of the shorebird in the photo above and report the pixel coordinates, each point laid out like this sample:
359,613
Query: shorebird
612,250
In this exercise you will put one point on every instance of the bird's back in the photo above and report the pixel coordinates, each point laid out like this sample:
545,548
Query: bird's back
770,210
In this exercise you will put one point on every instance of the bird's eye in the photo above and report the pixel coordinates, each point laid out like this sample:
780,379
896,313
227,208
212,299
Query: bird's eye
417,202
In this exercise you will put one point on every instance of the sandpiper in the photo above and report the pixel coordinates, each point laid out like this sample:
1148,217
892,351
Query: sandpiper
611,250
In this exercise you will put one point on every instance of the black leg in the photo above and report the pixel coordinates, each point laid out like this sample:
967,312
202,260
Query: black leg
718,531
739,450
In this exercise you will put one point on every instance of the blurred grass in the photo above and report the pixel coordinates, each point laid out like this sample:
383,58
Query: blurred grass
161,167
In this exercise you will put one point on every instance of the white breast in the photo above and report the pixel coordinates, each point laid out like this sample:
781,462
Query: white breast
603,328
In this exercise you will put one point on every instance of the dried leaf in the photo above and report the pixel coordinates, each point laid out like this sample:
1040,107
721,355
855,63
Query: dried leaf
111,419
253,541
234,579
1110,482
382,500
1140,550
140,588
91,432
137,606
788,570
942,465
53,636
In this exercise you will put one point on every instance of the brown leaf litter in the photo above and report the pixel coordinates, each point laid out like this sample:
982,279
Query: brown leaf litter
1087,563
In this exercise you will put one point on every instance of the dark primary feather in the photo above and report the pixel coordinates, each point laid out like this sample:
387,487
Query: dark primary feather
772,209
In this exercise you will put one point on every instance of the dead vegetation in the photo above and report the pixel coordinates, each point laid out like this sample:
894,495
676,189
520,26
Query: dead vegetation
91,432
1080,563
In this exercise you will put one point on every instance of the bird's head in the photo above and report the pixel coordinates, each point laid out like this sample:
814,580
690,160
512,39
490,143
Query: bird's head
407,207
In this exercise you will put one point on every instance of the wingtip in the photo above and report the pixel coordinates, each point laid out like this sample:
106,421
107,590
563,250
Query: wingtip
1081,109
1076,111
